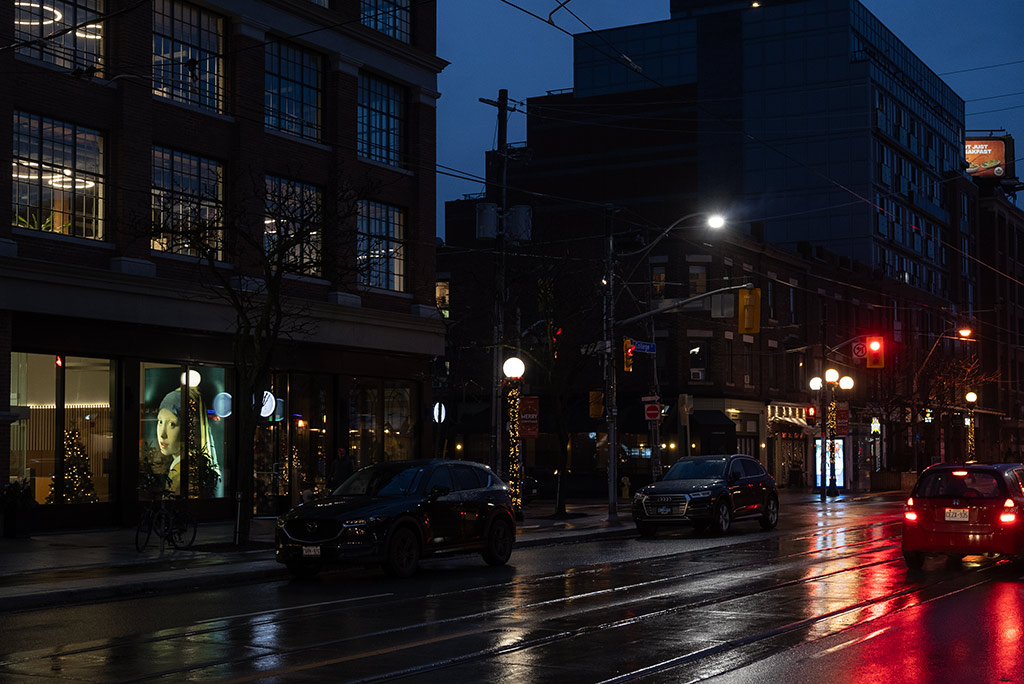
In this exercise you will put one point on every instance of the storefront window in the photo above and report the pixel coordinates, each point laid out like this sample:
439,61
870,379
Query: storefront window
399,424
183,417
33,401
71,393
271,467
363,431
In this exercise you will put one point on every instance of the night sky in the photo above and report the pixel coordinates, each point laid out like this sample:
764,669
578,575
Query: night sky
975,47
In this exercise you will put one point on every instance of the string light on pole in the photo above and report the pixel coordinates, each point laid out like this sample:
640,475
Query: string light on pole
514,368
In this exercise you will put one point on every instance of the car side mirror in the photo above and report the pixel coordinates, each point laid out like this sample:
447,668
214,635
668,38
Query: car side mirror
438,491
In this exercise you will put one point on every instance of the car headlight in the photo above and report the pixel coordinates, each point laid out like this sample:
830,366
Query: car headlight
360,522
700,495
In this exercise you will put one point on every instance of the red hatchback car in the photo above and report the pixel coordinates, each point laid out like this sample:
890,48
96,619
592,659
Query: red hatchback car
965,509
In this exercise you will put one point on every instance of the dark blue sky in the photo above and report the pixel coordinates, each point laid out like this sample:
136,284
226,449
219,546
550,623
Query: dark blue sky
492,45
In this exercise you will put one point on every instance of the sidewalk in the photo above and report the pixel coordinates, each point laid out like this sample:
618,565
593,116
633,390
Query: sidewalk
92,565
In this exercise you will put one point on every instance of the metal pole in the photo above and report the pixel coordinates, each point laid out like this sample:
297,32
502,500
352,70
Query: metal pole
611,407
832,490
499,298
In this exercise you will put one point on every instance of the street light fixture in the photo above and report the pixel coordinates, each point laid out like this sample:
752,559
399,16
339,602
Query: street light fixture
828,429
514,368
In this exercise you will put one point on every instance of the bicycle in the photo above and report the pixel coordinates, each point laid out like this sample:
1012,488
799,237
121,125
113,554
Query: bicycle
172,524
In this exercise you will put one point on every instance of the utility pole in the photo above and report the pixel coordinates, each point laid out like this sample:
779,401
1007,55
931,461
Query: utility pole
611,408
499,285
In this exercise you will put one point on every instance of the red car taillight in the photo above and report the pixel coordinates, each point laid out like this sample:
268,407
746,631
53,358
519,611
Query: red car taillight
1009,513
908,510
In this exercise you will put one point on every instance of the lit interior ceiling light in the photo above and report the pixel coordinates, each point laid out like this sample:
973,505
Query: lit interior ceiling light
25,170
70,183
90,32
54,14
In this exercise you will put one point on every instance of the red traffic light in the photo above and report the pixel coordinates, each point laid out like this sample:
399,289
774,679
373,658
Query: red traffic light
876,352
811,414
59,360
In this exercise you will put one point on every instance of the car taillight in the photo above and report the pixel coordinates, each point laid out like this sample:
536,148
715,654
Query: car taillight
908,510
1009,513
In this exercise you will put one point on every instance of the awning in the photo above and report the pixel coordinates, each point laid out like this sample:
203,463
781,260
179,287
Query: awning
715,421
783,423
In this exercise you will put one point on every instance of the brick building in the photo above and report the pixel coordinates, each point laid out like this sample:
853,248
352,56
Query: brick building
259,121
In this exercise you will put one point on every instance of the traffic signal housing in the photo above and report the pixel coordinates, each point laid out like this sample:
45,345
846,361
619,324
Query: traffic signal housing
811,415
749,311
627,355
875,352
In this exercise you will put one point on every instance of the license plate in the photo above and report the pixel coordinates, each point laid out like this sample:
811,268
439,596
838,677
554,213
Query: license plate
310,550
958,515
664,510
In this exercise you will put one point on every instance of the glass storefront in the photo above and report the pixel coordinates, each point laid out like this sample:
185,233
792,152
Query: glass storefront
62,440
183,416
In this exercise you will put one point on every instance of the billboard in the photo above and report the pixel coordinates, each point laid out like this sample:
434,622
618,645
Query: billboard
990,157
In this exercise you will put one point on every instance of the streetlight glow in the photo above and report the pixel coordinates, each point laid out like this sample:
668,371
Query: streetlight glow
815,383
964,332
831,375
513,367
971,397
846,382
716,221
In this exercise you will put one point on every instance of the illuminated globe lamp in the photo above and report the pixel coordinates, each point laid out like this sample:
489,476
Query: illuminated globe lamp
828,429
972,399
514,368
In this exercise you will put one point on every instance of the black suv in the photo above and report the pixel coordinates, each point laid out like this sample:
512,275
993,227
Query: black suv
708,491
393,513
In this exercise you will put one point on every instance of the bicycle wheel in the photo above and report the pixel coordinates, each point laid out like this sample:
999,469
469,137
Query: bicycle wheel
162,526
144,530
183,530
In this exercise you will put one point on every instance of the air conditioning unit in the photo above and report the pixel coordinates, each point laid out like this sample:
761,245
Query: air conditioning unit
696,374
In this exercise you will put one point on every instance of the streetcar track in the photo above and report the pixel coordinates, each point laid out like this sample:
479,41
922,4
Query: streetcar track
276,615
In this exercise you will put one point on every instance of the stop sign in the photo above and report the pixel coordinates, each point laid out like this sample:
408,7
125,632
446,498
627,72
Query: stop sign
652,411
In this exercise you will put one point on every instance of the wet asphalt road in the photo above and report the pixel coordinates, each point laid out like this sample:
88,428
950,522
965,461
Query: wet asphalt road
825,597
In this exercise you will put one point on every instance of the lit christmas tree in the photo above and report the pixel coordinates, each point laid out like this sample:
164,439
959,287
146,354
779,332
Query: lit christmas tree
78,487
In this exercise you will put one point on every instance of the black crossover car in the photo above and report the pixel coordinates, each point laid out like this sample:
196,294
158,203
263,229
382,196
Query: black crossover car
708,491
395,512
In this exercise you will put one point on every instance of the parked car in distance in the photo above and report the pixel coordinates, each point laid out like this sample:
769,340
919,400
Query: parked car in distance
965,509
708,492
396,512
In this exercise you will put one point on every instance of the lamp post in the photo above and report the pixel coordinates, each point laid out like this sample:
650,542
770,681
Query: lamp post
963,333
828,429
513,368
971,398
715,222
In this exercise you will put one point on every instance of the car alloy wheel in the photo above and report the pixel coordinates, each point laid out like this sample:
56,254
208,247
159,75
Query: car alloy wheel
403,553
723,517
499,543
771,513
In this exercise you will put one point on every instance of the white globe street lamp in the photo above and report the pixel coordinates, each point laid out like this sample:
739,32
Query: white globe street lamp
514,368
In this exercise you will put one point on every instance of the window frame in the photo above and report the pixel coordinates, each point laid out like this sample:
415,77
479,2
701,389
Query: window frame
305,66
283,198
381,122
393,18
44,164
178,200
81,49
170,75
393,276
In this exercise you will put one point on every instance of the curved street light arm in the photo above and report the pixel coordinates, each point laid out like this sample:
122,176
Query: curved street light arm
661,236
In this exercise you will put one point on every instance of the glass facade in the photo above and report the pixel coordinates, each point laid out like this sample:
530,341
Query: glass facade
293,226
62,440
57,177
294,90
187,203
380,133
381,246
80,48
188,55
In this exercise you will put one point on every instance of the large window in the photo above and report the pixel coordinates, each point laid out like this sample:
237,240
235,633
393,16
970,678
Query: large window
390,17
293,90
63,436
181,436
381,246
293,226
188,62
187,204
57,177
44,31
381,125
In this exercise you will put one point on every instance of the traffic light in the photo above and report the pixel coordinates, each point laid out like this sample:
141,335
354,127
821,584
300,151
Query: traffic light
876,352
627,355
554,341
812,415
749,311
59,361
